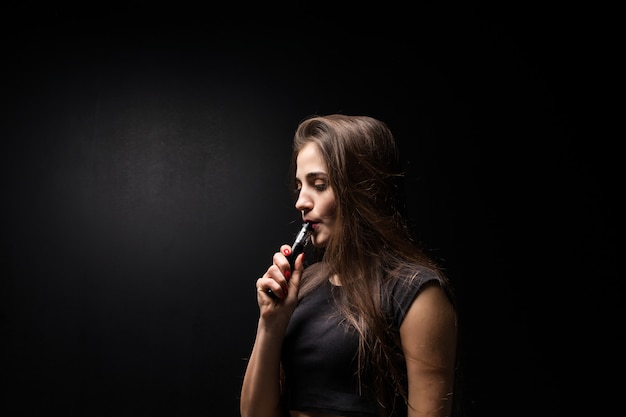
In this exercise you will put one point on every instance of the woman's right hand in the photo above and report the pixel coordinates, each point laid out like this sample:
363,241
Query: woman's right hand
277,289
260,392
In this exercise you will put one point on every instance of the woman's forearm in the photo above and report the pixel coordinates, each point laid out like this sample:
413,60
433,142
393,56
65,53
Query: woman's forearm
261,392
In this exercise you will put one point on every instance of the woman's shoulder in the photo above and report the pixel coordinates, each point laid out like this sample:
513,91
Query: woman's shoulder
413,275
407,282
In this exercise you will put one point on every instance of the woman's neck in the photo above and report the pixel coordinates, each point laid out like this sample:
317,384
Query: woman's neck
335,280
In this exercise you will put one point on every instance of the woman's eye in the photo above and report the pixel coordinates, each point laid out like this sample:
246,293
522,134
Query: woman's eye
318,186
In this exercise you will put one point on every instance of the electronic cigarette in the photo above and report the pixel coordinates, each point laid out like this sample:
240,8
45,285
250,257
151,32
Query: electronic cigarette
298,245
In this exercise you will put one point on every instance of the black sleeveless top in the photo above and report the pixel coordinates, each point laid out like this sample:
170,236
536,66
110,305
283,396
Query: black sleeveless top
320,349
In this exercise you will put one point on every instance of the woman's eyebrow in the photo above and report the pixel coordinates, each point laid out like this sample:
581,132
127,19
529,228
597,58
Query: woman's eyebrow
314,175
317,174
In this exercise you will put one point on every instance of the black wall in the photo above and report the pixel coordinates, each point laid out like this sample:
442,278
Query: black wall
144,189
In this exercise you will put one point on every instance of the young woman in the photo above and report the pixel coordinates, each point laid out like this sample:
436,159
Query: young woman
370,327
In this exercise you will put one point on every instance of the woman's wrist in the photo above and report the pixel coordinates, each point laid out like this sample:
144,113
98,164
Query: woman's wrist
276,326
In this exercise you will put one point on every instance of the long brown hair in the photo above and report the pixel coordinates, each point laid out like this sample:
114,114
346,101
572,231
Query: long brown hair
372,242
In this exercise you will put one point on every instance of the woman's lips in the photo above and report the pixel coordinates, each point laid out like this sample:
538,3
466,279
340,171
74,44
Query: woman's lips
314,225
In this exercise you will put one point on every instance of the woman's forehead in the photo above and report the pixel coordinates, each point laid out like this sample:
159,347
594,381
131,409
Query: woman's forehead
310,160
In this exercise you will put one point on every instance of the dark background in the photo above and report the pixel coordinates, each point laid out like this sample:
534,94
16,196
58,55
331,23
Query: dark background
144,188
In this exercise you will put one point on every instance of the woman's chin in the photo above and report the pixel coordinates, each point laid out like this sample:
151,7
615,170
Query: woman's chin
318,242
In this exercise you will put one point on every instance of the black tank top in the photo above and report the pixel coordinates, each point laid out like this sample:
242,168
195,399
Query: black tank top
319,351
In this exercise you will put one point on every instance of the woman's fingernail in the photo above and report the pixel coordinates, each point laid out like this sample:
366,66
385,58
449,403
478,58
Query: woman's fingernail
286,252
287,274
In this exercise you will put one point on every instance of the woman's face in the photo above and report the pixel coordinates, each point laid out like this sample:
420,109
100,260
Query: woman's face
316,198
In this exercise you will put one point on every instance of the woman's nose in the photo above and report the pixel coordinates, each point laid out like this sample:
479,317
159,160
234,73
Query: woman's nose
303,203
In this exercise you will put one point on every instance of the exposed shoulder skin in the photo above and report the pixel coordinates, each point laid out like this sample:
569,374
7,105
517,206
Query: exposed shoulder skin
429,340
